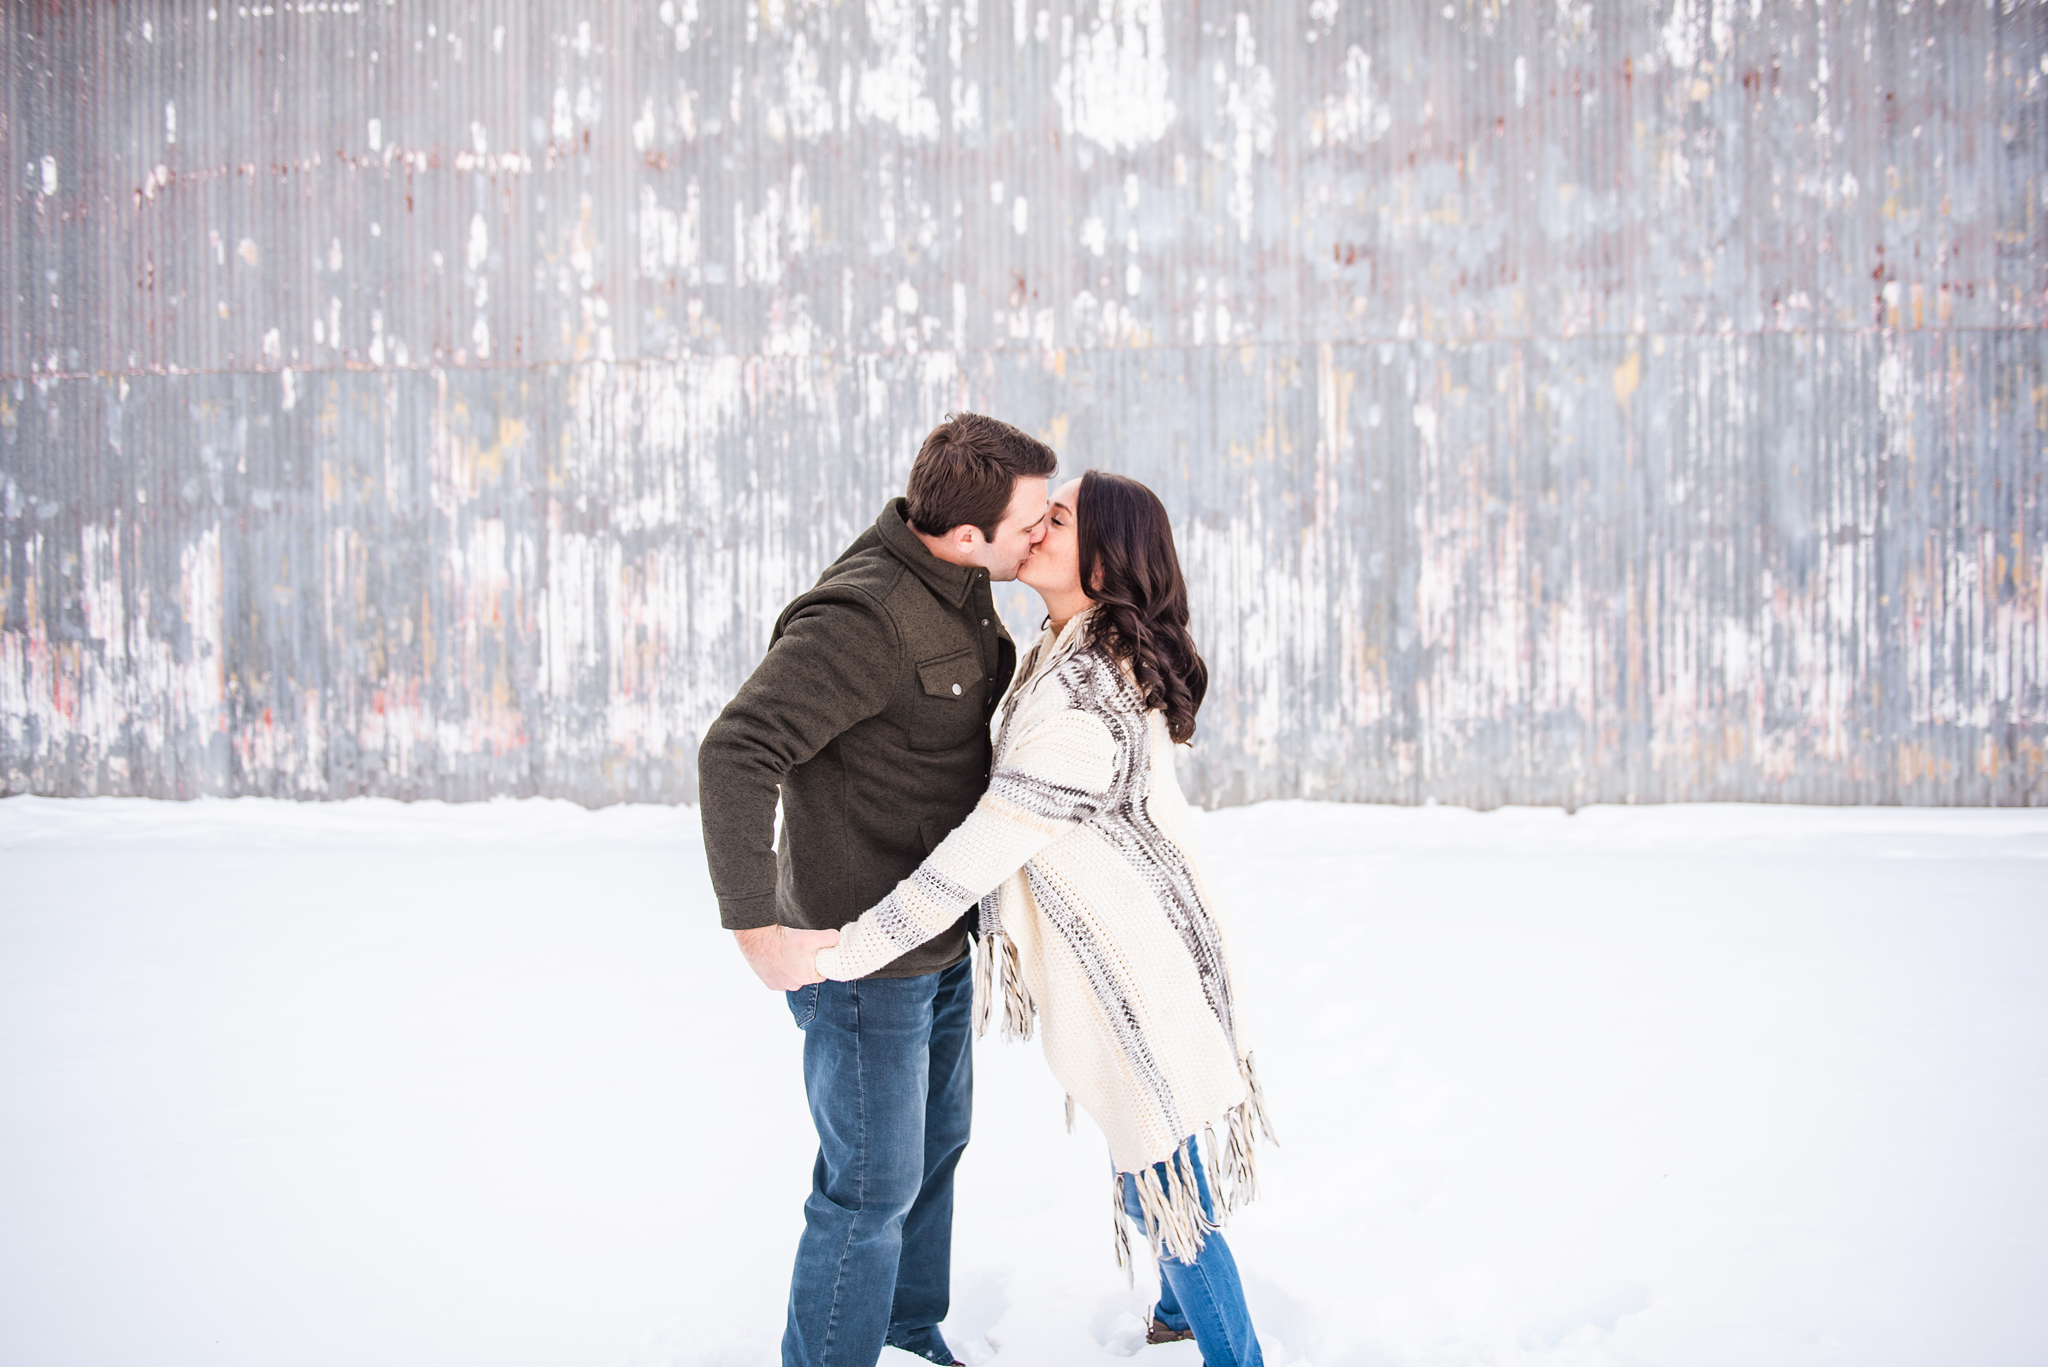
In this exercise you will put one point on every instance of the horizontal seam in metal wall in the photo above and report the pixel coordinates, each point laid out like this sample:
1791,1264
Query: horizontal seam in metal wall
1451,342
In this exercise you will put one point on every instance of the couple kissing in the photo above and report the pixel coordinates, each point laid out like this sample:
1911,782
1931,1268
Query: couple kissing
968,838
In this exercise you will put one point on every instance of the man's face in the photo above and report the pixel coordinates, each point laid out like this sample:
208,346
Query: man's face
1022,527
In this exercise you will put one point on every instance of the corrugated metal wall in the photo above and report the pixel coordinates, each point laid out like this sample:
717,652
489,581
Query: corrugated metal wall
1558,402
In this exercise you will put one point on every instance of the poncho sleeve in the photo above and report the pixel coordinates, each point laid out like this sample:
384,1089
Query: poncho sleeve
1055,776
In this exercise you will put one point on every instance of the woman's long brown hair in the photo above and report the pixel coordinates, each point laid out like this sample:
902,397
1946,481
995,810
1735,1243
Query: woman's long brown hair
1131,570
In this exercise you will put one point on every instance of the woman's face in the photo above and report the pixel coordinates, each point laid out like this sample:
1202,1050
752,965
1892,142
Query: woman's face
1054,565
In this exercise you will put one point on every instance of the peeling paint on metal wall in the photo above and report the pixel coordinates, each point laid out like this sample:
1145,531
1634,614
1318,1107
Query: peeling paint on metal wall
1556,403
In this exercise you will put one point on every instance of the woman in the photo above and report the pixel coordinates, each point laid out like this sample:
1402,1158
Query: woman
1094,916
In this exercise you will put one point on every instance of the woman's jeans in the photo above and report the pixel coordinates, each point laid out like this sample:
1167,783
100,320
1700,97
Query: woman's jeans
889,1072
1203,1295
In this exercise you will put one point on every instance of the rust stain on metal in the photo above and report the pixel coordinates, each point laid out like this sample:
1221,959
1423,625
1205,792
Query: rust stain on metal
1557,404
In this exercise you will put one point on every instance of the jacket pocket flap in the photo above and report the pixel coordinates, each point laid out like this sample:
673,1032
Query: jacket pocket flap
950,676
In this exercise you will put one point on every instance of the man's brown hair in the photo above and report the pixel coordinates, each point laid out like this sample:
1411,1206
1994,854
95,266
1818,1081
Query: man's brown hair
967,470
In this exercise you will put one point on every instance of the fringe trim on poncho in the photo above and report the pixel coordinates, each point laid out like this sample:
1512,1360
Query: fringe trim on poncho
1175,1226
998,977
1174,1223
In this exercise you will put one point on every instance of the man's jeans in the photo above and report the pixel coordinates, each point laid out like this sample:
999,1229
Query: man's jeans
1203,1295
890,1075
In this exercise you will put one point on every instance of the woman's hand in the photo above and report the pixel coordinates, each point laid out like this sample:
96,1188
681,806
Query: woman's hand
785,959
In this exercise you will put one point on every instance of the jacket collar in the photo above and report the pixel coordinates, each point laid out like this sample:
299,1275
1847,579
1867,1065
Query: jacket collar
951,583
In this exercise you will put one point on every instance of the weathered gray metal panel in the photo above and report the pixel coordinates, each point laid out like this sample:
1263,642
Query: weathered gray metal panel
1557,403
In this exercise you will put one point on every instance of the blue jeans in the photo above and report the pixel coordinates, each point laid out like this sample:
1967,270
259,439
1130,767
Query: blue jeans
1203,1295
889,1071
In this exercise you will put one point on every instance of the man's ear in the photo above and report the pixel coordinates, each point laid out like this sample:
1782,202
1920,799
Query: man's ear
966,537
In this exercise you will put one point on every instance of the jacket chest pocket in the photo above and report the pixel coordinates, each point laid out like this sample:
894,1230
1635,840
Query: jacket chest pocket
950,707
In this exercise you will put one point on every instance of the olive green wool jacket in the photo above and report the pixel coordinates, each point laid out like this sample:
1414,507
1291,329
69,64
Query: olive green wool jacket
870,712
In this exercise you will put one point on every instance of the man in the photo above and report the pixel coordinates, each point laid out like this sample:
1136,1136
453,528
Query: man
870,714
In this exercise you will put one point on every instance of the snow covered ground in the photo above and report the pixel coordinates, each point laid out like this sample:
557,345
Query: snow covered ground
370,1083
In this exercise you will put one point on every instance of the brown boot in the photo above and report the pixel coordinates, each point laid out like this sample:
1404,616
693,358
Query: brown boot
1155,1332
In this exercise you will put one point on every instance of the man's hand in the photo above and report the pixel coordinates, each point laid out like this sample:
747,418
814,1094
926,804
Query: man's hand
782,958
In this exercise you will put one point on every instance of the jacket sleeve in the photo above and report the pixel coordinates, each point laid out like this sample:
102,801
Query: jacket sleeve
833,665
1056,776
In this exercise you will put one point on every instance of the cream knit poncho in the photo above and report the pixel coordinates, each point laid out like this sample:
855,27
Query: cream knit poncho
1096,918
